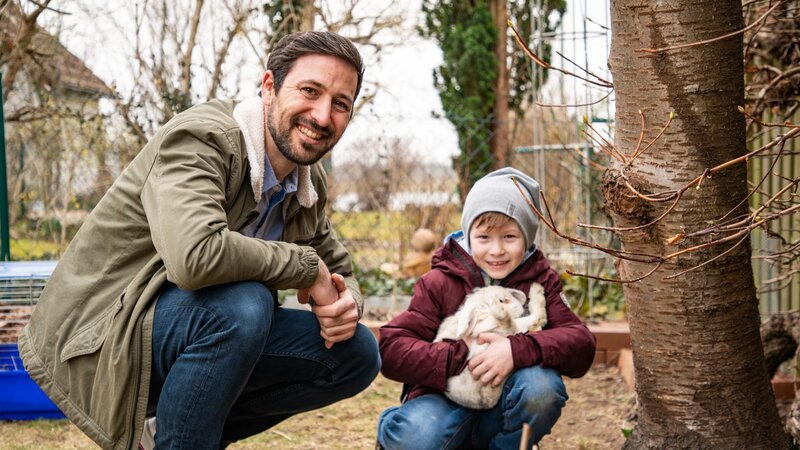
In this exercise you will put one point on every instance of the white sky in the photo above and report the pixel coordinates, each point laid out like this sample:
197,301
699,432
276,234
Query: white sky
404,109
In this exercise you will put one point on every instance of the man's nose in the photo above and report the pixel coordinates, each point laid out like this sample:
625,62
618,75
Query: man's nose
321,112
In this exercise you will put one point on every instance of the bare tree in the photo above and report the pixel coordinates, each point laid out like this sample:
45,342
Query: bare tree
678,194
188,52
701,379
20,48
56,142
373,26
179,52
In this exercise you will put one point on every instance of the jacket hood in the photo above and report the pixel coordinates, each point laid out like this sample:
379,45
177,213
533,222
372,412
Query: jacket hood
453,260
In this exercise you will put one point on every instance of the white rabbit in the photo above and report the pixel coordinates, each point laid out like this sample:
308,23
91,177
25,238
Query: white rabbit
537,312
493,309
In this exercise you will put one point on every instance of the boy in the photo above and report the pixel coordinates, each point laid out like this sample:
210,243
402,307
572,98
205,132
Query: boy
495,246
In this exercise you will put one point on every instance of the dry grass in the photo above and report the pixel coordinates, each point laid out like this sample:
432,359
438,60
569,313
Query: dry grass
592,420
346,425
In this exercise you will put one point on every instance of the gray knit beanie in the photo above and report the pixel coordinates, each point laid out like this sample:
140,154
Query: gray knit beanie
496,192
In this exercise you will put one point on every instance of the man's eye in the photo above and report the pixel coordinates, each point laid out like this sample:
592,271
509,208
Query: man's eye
342,106
308,90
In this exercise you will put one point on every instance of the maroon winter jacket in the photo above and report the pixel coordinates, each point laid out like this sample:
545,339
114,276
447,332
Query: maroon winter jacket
406,346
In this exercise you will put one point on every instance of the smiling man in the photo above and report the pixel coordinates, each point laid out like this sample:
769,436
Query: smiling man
165,303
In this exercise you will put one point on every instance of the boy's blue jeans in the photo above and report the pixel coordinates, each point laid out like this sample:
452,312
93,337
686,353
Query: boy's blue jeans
533,395
227,364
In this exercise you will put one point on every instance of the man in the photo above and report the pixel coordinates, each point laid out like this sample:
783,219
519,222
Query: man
164,303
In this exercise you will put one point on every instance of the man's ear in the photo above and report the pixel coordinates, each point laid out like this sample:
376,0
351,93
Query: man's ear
267,85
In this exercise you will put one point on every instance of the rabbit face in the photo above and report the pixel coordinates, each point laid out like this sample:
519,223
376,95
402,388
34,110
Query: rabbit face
485,308
507,304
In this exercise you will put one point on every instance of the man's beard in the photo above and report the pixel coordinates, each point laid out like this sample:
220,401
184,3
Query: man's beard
283,140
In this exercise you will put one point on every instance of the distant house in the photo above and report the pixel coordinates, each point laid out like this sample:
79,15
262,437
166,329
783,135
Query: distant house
48,67
57,147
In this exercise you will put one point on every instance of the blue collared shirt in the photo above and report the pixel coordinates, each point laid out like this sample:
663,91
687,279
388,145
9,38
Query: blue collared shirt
269,224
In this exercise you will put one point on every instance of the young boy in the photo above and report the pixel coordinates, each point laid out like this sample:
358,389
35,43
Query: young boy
495,246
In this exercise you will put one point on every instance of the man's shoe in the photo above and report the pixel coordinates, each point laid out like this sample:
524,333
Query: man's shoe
148,440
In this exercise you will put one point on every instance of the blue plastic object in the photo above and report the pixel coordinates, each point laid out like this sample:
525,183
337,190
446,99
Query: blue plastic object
27,269
20,396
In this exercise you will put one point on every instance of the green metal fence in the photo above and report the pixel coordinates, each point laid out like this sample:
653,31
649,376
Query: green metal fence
5,240
777,282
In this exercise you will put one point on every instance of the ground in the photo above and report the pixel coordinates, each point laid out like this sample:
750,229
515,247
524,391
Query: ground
592,420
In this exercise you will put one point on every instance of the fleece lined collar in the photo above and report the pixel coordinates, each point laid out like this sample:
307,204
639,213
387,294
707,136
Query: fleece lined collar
249,114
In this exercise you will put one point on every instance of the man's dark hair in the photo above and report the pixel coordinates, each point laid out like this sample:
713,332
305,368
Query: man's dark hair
295,45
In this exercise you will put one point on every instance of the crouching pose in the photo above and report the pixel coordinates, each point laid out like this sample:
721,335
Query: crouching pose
165,303
494,247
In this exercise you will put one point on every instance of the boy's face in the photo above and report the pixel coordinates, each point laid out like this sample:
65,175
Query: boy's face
497,251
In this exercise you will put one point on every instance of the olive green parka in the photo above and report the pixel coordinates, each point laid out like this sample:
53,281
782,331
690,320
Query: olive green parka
173,214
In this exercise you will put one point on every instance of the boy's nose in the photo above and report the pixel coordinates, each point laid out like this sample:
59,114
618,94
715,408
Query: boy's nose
497,248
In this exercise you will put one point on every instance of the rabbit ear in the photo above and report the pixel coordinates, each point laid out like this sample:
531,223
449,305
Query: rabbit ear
467,319
519,295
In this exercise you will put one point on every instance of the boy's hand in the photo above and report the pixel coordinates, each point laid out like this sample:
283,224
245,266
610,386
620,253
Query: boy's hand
338,320
494,364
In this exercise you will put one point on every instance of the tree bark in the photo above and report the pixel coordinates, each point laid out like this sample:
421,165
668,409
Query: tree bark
23,36
499,142
701,379
308,11
191,42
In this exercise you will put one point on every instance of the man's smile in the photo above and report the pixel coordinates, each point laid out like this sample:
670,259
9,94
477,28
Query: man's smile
308,132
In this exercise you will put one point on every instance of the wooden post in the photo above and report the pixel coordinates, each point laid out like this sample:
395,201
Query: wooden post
526,436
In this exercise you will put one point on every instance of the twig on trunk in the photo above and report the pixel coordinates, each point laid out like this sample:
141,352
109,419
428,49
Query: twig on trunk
718,38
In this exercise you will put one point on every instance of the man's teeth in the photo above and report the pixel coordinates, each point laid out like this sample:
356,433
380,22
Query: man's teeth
308,132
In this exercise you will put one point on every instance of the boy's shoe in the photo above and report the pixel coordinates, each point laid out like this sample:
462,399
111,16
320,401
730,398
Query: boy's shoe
148,440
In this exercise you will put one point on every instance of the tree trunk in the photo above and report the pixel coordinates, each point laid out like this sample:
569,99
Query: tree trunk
308,12
22,36
701,380
499,143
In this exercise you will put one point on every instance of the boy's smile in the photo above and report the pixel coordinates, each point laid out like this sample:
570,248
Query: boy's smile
499,250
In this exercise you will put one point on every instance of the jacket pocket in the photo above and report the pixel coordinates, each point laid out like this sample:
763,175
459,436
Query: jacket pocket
90,338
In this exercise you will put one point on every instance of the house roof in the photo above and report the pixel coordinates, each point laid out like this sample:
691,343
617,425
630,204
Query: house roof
50,63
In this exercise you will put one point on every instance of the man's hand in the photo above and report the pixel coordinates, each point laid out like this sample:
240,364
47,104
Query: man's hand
338,320
494,364
323,292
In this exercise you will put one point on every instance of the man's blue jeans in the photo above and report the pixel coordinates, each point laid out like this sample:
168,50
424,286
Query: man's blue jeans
228,364
533,395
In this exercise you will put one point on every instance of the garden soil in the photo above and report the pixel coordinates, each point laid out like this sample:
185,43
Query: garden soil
593,419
